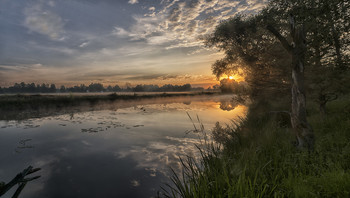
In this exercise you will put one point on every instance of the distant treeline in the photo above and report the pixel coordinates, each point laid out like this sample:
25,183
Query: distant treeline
94,87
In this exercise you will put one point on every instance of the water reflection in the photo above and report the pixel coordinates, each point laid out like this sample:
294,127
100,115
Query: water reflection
99,175
122,151
24,144
228,105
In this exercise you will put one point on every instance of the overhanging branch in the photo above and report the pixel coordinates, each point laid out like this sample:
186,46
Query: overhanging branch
283,40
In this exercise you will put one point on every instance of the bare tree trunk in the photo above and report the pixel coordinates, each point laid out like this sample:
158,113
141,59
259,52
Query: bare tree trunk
301,127
337,46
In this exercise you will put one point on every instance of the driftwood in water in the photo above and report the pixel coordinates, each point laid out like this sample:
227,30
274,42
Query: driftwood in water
21,180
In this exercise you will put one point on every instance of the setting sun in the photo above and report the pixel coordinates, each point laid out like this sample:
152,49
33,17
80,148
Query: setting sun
235,77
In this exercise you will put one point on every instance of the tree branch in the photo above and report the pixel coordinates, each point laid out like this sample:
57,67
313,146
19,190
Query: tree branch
19,179
283,40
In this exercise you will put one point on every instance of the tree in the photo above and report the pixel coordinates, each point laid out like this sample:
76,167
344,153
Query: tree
95,87
116,88
31,88
246,41
327,33
297,49
62,89
252,52
109,88
306,34
52,88
231,86
138,88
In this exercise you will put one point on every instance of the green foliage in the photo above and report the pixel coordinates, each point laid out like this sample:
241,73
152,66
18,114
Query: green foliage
232,86
257,158
327,26
266,64
251,52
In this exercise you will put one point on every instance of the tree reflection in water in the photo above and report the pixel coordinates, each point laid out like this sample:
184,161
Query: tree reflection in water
229,105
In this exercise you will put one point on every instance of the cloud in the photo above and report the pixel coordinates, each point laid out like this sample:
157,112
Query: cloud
120,32
45,22
181,24
158,40
144,77
160,155
164,37
133,1
84,44
152,77
51,3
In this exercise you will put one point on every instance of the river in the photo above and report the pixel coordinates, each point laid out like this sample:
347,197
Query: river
112,150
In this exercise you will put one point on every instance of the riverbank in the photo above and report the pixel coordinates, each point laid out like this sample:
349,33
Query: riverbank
18,107
24,101
258,158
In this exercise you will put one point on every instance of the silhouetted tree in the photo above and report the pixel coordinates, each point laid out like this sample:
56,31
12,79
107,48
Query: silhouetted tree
63,89
117,88
52,88
31,88
251,51
95,87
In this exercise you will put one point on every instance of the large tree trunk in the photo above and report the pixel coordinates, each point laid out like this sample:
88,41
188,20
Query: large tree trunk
337,47
301,127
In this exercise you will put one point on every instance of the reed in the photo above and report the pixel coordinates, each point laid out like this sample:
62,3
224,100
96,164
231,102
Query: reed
257,158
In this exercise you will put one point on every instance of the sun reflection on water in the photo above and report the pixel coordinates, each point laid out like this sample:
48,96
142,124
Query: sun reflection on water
143,139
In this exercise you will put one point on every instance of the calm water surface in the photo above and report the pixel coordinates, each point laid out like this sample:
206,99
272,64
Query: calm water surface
108,152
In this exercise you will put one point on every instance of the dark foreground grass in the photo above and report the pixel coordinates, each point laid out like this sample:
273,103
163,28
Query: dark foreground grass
258,159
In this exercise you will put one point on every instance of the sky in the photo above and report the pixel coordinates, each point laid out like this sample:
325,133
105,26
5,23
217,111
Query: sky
71,42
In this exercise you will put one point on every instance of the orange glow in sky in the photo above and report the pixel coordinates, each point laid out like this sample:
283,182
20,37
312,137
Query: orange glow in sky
235,77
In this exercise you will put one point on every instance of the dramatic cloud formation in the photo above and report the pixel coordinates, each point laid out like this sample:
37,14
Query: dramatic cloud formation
86,41
180,24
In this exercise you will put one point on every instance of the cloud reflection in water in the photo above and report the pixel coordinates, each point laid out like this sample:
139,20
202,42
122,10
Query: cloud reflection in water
128,156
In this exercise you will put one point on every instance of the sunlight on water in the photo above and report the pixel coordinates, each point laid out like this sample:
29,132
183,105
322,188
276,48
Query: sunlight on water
117,152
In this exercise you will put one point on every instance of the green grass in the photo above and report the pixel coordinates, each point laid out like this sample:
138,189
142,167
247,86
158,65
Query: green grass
258,159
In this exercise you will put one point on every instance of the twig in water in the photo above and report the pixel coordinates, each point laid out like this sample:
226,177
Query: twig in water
21,180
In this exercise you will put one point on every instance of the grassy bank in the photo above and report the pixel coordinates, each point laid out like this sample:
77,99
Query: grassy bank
258,159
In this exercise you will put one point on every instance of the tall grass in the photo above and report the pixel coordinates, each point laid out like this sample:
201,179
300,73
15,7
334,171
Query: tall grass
258,159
